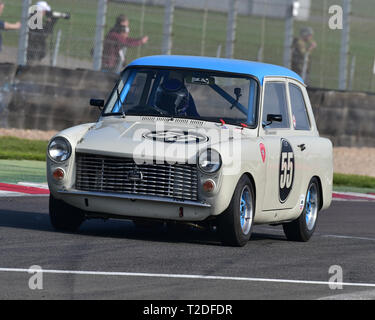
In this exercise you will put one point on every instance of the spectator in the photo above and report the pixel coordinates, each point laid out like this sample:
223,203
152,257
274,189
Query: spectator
301,50
6,25
116,40
37,46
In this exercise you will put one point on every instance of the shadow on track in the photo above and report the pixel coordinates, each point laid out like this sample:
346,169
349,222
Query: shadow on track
121,229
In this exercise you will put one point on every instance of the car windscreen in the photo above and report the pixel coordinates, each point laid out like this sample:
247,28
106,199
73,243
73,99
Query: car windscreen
185,93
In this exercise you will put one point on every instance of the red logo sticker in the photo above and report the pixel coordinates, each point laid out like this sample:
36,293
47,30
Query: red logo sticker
262,151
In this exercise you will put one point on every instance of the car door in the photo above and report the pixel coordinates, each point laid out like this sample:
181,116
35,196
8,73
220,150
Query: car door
284,162
305,133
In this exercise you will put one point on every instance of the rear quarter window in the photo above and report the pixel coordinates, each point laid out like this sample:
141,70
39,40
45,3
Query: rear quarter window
299,111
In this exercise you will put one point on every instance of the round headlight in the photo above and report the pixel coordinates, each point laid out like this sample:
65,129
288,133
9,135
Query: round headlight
210,161
59,149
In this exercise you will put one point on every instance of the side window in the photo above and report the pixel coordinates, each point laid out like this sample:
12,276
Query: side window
300,117
275,103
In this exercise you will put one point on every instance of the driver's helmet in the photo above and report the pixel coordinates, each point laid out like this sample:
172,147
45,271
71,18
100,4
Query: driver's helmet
172,97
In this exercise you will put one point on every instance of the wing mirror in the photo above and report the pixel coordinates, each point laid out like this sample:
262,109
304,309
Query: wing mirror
97,103
273,118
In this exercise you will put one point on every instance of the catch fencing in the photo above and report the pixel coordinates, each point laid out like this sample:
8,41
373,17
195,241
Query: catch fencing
259,30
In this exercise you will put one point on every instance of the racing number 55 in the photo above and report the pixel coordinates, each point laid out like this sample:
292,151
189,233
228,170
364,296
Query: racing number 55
286,175
286,172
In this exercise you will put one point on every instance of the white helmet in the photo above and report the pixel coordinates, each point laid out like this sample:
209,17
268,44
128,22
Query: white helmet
43,6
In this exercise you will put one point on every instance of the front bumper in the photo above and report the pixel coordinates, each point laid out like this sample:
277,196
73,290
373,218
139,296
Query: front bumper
137,206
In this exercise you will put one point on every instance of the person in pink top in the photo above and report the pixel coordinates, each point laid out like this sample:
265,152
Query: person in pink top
115,41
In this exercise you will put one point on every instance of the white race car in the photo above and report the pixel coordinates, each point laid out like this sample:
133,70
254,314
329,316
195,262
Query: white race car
209,141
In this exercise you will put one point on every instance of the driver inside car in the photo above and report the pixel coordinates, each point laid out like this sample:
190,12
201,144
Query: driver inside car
173,98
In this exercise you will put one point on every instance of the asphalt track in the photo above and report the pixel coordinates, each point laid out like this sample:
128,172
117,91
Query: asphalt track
115,260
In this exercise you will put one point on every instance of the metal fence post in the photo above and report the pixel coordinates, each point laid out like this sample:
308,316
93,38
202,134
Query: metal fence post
231,28
372,76
204,29
99,34
218,51
141,26
344,51
55,55
24,34
305,66
168,27
260,55
352,73
289,24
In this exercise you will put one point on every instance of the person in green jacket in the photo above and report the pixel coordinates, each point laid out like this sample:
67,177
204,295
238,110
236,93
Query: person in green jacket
301,52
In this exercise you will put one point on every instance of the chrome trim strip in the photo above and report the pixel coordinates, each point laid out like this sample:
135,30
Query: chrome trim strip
134,197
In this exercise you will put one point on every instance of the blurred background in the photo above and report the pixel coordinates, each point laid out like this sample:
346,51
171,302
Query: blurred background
260,30
39,97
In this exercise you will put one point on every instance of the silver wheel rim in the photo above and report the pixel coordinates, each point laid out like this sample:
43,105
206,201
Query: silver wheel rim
246,210
311,206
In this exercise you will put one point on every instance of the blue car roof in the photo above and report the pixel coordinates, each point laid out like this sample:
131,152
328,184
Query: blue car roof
256,69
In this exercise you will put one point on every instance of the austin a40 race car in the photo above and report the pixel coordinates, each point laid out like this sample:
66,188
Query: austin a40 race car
204,141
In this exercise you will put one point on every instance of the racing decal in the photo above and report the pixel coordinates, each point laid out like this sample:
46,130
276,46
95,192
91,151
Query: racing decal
294,122
175,136
286,172
262,151
301,202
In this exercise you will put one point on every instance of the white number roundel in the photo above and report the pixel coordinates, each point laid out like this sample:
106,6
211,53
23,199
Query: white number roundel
286,174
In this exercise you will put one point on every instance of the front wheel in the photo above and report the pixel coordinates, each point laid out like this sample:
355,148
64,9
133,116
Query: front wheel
235,223
303,228
63,216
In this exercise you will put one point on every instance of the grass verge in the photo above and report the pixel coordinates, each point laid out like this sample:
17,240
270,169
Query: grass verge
344,181
22,149
14,171
12,148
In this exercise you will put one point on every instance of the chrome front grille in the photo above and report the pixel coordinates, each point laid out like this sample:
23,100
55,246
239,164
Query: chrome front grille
122,175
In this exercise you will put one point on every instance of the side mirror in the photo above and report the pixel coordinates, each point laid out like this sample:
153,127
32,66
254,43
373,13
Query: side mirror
97,103
274,118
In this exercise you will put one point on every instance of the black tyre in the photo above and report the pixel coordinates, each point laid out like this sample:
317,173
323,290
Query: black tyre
303,227
63,216
236,222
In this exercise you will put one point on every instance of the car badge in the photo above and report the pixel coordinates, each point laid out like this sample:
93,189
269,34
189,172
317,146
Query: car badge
135,175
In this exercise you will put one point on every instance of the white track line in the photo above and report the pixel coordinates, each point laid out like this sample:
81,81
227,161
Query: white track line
356,194
184,276
351,200
267,230
362,295
347,237
33,185
10,194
